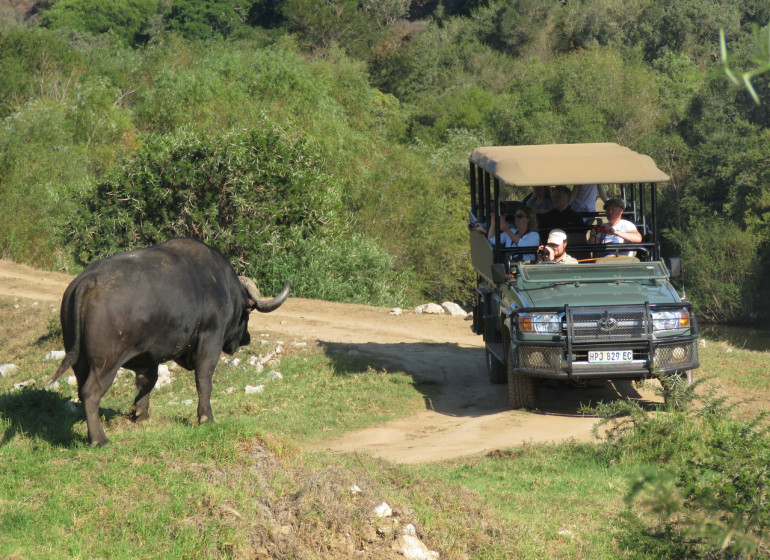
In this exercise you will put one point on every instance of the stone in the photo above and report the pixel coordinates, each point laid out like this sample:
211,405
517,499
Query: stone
430,309
274,376
453,309
383,510
250,389
412,547
5,369
396,311
55,355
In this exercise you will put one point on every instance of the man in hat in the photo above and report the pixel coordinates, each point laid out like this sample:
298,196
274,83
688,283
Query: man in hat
616,230
555,249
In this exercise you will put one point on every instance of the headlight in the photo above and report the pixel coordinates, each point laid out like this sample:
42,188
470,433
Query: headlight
670,320
541,324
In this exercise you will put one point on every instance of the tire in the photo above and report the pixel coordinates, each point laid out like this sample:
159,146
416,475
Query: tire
522,389
495,370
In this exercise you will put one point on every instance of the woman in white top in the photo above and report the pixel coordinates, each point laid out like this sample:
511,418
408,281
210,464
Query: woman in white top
616,230
523,234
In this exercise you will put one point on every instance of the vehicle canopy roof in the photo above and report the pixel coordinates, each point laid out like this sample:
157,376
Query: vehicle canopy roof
567,164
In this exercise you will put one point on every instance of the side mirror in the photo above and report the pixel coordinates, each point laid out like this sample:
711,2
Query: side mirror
675,266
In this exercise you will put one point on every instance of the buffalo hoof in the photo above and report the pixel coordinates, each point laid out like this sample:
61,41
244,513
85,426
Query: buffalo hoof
203,419
138,415
98,443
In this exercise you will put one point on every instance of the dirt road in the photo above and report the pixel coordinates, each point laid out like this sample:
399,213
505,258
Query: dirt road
468,416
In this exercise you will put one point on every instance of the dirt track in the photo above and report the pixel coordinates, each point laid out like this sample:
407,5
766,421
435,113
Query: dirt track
467,417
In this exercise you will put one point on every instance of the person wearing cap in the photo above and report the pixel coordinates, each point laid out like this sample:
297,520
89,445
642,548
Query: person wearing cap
556,247
616,229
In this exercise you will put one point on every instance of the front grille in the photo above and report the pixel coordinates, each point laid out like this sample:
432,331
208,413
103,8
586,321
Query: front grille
678,354
594,324
541,358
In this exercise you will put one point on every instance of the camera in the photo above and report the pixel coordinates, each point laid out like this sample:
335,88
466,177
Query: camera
544,254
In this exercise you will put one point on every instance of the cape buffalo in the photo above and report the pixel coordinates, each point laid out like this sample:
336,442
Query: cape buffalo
179,300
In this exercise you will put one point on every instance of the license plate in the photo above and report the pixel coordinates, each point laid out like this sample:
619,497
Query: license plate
610,356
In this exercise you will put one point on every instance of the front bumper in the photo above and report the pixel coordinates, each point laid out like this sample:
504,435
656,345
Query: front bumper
566,356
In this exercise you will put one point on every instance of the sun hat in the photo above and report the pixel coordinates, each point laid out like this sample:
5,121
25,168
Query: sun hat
557,237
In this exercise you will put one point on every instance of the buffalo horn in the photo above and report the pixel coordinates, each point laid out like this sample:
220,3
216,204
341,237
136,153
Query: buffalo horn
264,305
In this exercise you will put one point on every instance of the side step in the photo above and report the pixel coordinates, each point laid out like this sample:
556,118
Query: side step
497,350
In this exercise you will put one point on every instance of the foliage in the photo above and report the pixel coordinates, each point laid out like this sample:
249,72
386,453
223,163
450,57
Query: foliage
127,19
255,194
761,60
711,474
723,270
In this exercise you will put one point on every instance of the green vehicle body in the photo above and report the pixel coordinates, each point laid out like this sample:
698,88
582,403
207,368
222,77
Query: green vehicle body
611,317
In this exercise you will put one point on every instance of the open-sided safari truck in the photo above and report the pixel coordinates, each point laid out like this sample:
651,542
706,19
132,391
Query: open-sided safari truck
608,317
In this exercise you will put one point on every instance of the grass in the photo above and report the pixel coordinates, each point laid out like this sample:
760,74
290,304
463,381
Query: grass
243,488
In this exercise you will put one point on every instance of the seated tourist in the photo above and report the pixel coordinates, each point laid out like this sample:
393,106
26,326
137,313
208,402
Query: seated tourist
616,229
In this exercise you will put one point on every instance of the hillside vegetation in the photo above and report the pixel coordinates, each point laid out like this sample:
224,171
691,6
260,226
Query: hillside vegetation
327,143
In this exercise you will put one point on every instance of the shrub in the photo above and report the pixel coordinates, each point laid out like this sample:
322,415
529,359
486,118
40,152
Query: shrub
257,195
125,18
721,268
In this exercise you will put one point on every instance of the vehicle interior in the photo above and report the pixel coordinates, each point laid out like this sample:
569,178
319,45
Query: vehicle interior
502,176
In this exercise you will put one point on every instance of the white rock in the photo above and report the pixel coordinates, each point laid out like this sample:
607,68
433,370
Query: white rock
274,376
236,362
71,406
413,548
395,311
164,376
51,386
354,489
278,349
55,355
259,368
383,510
71,380
429,309
230,390
253,360
729,350
187,402
5,369
453,309
299,344
565,533
251,389
22,384
702,342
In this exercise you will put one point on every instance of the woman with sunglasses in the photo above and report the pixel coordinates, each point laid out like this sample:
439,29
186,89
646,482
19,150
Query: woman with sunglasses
523,234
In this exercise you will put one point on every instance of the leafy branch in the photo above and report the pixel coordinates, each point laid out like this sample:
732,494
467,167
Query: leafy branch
762,59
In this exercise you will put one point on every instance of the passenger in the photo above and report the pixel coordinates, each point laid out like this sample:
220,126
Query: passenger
583,197
505,238
616,230
555,249
540,201
525,234
561,216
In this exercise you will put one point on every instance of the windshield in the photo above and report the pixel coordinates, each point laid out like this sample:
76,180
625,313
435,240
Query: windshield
549,273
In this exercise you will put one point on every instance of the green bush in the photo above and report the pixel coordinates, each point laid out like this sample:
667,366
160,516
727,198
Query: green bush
258,195
706,471
125,18
721,269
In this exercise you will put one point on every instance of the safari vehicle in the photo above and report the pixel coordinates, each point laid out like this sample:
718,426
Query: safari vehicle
607,317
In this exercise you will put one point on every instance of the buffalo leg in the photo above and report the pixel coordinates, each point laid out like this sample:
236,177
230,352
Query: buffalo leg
145,381
204,373
91,393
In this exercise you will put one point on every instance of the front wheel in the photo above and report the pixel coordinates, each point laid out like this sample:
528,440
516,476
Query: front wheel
522,389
